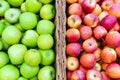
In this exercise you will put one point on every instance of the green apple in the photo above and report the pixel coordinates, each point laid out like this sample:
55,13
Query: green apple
15,3
47,56
2,27
16,53
36,5
28,71
34,78
1,45
11,35
4,59
28,20
45,1
17,25
47,11
22,78
9,72
5,22
5,45
45,27
30,38
22,7
32,57
45,41
12,15
4,5
46,73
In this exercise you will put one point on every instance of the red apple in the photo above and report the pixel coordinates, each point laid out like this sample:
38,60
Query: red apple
104,65
109,21
93,74
68,74
91,20
87,60
72,63
75,9
116,27
116,1
112,39
73,49
78,75
115,10
99,32
83,69
113,70
74,21
104,76
71,1
90,45
97,66
118,51
88,5
80,1
108,55
72,35
85,32
97,53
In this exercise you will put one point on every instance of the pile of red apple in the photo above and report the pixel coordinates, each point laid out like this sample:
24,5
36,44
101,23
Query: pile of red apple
93,40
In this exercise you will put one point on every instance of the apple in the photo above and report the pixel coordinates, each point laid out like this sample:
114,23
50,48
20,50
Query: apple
5,45
2,27
72,35
47,11
75,9
36,5
72,63
30,38
113,70
78,75
74,21
15,3
45,41
85,32
88,60
80,1
104,65
88,5
45,27
91,20
83,69
28,20
102,15
28,71
11,35
90,45
99,32
22,78
106,5
73,49
46,1
108,55
12,15
93,74
116,27
109,21
34,78
114,10
97,10
22,7
1,45
97,53
47,56
4,59
4,5
105,76
68,74
17,25
98,66
71,1
46,73
9,72
117,49
116,1
19,50
112,39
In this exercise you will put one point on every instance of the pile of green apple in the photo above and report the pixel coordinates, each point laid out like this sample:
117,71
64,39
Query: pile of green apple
26,40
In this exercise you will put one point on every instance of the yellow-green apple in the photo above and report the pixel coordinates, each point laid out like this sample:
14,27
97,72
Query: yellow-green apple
15,3
97,10
88,60
97,66
88,5
22,7
113,70
90,45
4,5
68,74
72,35
78,75
2,27
117,49
109,21
106,5
93,74
112,39
114,10
91,20
102,15
46,1
99,32
75,9
74,21
105,76
73,49
71,1
97,53
108,55
85,32
72,63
